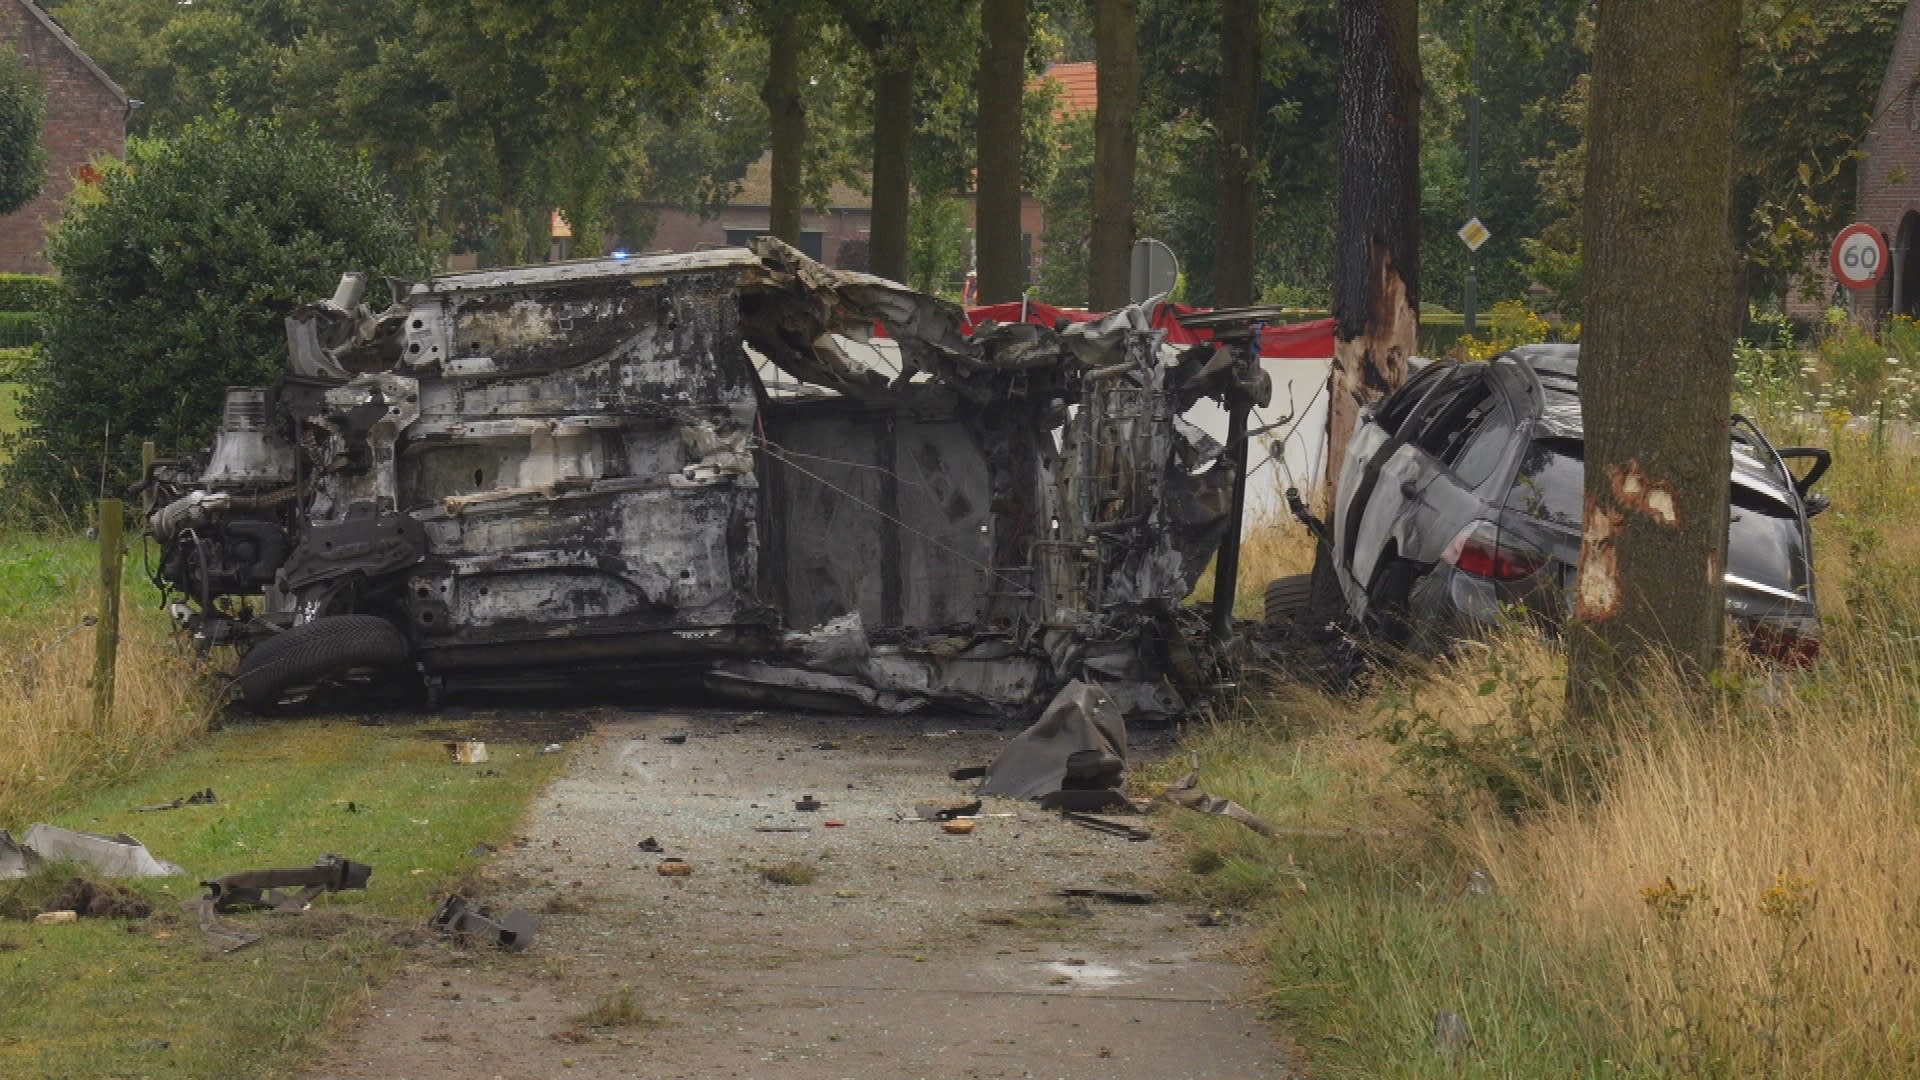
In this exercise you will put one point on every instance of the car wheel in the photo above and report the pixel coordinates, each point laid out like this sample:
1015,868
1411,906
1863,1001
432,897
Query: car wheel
1390,602
288,666
1287,599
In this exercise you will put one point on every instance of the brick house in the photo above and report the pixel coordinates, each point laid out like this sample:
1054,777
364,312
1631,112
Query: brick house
86,116
1888,195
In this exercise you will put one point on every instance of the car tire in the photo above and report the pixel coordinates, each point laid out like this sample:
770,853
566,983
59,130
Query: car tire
1288,599
1390,602
303,656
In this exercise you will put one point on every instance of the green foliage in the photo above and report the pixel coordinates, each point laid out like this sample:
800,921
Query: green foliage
19,330
23,112
177,279
1523,758
28,292
1810,73
936,243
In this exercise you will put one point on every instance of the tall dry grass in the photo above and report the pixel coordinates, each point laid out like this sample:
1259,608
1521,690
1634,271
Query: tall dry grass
49,748
1721,887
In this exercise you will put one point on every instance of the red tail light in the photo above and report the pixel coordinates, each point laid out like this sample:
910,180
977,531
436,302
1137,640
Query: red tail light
1479,550
1783,645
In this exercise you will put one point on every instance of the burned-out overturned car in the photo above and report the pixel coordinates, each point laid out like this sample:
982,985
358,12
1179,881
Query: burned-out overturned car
708,469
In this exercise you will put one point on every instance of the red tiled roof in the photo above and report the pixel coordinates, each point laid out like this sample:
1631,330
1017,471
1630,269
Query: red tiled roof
1078,93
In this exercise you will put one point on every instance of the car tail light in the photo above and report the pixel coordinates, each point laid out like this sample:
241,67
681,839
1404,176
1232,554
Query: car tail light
1784,645
1481,551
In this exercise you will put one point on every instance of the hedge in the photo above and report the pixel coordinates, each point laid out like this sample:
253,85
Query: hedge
27,292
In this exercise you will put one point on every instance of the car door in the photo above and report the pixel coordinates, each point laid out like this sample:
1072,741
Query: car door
1379,434
1415,500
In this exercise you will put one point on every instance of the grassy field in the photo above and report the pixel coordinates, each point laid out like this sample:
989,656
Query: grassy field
110,997
1721,891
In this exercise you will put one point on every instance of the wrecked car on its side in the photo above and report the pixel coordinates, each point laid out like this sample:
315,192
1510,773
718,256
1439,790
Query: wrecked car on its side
1462,496
700,468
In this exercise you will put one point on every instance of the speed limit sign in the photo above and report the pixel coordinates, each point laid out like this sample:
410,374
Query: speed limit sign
1859,256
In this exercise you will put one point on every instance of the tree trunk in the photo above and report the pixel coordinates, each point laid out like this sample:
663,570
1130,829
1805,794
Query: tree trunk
1239,104
1656,365
996,214
787,111
1115,146
1376,262
893,76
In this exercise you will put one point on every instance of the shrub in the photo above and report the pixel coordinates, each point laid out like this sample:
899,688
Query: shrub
177,274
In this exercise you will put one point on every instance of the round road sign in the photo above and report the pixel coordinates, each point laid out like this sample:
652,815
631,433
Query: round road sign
1859,256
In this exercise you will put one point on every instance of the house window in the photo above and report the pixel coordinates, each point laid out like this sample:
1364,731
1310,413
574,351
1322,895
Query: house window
813,242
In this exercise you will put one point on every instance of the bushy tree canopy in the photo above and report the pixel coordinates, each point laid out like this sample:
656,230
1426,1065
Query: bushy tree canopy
23,112
178,273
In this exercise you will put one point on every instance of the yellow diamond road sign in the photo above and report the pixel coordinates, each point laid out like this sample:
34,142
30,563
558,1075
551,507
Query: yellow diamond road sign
1473,234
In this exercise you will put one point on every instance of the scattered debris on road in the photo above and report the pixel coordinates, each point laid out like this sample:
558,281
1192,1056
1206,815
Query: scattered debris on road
1111,828
459,917
1114,896
671,867
947,811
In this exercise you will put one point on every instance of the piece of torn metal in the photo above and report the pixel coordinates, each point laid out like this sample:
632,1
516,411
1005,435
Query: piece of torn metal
204,797
1111,828
16,861
119,855
1115,896
252,889
1186,793
226,935
948,811
1080,741
457,915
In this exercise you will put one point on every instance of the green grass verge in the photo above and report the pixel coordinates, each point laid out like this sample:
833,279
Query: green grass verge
145,998
10,395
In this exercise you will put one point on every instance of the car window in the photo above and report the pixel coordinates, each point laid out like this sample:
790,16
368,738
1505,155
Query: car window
1764,542
1394,410
1551,482
1451,414
1483,443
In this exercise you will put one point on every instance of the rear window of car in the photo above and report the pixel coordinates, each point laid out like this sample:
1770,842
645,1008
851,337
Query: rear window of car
1551,482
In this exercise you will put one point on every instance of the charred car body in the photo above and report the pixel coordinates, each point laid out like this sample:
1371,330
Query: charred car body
694,467
1462,496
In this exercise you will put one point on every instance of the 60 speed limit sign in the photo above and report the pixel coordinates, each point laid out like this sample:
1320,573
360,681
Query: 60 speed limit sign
1859,256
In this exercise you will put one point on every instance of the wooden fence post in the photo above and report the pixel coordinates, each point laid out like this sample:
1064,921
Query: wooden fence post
106,631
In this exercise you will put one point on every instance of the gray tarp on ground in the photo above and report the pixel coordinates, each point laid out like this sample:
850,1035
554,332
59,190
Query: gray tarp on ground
1081,718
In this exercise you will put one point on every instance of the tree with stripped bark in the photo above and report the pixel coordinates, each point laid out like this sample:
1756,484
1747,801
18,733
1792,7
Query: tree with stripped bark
1376,272
1656,366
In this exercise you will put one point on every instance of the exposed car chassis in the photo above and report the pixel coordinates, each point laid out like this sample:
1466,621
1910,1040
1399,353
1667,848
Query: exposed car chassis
702,468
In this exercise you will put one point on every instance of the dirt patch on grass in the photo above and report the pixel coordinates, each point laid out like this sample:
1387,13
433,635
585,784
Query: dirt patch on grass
100,900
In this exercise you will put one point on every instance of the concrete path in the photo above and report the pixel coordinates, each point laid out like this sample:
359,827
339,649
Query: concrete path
912,952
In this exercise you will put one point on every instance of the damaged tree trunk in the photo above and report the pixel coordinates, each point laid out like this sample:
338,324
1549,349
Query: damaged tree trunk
1003,52
893,75
1376,270
1115,145
787,112
1239,104
1656,367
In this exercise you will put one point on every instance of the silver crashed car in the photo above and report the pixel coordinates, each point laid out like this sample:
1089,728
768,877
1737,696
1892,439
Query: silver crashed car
1462,495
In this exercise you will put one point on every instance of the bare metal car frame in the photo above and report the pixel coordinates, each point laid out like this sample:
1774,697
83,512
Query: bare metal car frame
699,467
